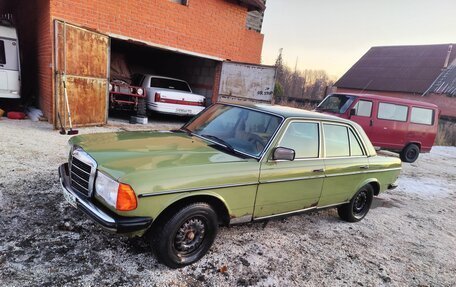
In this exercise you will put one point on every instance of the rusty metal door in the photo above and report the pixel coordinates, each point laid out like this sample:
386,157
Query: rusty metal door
81,60
243,82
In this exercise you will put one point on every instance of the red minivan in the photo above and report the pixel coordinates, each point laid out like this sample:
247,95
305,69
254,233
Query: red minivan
405,126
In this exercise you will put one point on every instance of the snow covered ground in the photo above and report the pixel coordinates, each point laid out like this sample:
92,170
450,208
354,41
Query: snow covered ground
407,239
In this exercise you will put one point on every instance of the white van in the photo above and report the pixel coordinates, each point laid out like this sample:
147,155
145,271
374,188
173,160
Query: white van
10,72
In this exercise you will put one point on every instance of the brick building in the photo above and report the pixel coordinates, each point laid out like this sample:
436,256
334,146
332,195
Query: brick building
77,40
424,73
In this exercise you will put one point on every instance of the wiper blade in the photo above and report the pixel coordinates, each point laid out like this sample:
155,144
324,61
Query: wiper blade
220,141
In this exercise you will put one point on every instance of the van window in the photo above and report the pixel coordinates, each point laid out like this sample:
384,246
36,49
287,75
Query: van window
336,140
392,112
2,53
336,103
303,138
363,108
422,116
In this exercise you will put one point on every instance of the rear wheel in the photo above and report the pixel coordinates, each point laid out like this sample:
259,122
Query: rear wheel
187,236
358,206
410,153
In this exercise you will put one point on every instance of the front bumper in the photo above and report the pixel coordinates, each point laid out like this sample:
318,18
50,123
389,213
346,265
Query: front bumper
107,219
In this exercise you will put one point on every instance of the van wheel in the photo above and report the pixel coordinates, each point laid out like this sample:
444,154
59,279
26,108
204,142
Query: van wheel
410,153
187,236
358,206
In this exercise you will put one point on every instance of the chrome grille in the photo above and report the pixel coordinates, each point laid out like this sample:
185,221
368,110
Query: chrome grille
82,172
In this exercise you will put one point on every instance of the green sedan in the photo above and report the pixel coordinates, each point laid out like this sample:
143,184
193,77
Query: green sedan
231,164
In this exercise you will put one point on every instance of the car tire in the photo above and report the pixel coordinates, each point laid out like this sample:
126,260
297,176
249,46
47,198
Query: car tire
410,153
186,236
358,206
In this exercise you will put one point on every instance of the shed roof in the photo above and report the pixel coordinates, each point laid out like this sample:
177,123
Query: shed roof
411,69
446,82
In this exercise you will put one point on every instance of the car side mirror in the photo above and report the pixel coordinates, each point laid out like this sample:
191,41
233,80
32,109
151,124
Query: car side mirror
352,112
283,153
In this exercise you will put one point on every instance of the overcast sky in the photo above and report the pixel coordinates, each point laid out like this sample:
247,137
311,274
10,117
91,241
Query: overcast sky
333,34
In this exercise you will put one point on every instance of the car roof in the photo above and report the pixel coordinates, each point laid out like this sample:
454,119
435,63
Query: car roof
395,100
290,112
161,77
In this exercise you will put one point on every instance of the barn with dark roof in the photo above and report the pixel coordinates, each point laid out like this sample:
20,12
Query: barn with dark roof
424,73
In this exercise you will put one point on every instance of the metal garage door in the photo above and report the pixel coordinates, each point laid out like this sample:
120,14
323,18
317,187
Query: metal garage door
81,60
246,82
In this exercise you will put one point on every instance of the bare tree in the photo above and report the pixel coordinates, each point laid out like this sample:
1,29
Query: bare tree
307,85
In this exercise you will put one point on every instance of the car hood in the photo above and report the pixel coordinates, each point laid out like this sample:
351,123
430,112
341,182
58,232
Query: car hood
123,153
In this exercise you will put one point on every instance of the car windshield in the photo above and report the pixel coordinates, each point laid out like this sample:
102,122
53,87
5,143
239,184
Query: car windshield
237,129
336,103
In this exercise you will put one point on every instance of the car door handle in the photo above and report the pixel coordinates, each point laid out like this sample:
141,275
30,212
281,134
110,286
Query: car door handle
371,123
318,170
364,167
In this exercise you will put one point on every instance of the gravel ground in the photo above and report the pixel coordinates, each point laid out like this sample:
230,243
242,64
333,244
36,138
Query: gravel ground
407,239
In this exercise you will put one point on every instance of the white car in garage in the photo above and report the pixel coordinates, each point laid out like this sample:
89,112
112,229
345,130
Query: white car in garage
171,96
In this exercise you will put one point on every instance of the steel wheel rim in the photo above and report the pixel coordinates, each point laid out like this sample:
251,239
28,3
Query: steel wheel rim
360,204
189,236
411,154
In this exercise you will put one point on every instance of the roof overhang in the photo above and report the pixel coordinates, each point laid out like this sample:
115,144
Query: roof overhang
254,5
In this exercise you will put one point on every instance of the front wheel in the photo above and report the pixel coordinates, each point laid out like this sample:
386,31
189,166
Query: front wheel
358,206
186,236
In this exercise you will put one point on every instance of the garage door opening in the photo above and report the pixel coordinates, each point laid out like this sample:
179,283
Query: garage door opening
129,60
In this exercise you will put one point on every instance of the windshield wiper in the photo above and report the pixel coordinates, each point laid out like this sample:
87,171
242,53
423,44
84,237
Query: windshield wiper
220,141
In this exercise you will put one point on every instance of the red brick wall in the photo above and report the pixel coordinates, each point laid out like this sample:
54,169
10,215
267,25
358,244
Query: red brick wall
447,105
211,27
44,56
32,20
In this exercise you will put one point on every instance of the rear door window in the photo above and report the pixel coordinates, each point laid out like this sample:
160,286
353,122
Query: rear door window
392,112
422,116
9,59
363,108
336,140
2,53
355,146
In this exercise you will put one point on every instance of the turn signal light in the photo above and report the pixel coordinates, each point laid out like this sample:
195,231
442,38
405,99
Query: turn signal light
126,198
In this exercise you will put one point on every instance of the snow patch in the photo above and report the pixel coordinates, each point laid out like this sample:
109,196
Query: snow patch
427,188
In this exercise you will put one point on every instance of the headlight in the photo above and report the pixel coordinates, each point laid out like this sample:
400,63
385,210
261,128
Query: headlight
110,87
107,188
140,91
118,195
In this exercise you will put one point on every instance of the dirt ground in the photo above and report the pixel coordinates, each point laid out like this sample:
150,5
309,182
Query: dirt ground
407,239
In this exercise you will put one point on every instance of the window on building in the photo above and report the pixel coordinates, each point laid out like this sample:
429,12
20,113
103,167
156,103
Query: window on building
183,2
392,112
336,140
422,116
363,108
303,138
2,53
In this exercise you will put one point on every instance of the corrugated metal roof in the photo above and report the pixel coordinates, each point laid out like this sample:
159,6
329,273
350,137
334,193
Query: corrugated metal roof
411,69
446,82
